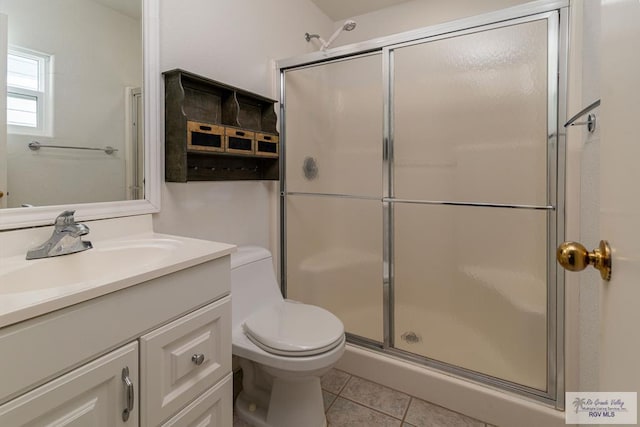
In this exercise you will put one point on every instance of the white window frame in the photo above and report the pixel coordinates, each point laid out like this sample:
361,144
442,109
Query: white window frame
44,96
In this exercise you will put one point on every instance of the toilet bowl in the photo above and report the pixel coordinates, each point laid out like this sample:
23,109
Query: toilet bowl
283,346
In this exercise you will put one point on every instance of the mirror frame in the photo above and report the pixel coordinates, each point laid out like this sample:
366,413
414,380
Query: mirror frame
11,218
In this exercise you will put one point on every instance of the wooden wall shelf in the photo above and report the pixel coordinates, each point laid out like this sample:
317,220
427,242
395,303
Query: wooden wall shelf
216,132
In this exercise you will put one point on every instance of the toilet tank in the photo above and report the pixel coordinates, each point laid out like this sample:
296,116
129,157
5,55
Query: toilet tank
253,283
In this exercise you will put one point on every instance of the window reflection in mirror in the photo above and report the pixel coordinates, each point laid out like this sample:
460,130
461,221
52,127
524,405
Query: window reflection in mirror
74,79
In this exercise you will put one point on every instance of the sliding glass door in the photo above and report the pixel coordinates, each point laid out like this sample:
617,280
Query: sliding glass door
470,200
422,199
334,186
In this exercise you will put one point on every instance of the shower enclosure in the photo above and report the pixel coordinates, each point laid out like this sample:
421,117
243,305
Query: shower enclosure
422,194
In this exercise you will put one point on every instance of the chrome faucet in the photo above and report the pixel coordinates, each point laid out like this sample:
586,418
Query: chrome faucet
66,238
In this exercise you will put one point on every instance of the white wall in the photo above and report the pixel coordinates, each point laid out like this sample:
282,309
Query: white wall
97,53
235,42
416,14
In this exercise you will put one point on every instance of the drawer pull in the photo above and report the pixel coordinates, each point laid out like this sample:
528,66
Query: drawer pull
128,385
197,359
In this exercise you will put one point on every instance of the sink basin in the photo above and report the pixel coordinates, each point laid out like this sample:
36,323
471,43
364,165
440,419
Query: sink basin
106,260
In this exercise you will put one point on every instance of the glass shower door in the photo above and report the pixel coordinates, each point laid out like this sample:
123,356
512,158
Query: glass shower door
423,197
333,134
471,200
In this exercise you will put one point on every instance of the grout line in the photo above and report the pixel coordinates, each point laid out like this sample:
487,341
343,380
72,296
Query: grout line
406,411
345,383
381,385
330,404
367,407
339,391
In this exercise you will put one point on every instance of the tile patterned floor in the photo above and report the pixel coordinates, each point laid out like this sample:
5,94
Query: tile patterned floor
355,402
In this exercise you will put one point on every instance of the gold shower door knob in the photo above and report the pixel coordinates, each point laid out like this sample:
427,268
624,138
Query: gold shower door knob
574,257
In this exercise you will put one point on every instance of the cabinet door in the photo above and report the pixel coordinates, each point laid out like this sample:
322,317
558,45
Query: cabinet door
94,395
183,359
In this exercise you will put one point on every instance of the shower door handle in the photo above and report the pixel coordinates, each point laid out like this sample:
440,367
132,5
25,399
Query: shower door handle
573,256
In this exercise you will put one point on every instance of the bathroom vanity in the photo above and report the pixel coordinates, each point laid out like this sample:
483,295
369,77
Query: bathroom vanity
133,332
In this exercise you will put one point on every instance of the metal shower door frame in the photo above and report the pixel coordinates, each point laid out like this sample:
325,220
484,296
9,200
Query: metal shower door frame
556,14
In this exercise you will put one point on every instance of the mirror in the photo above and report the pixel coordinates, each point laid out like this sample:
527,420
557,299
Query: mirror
77,135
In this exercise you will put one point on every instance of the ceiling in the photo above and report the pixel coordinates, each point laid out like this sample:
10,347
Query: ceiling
343,9
128,7
334,9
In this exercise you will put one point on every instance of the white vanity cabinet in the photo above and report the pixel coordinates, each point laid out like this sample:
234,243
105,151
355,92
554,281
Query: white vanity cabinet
172,333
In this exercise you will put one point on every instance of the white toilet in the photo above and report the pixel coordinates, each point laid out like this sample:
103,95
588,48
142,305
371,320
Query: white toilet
284,346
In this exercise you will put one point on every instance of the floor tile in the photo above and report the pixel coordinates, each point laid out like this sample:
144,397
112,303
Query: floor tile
423,414
344,413
328,399
375,396
237,422
334,380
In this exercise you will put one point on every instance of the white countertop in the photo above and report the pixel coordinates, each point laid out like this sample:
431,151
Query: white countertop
125,252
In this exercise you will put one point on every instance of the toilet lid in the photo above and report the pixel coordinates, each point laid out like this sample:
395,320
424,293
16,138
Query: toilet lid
294,329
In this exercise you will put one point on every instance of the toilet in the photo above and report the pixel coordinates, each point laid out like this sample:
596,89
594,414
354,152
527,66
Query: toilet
283,346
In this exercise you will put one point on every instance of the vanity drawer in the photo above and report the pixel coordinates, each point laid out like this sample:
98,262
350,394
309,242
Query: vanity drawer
214,408
181,360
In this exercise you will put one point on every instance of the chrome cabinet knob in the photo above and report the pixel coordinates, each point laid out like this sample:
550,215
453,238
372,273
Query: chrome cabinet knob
197,359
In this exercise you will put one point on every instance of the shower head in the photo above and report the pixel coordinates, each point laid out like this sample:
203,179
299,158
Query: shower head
348,25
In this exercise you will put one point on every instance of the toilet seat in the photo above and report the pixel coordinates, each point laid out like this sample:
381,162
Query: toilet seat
294,329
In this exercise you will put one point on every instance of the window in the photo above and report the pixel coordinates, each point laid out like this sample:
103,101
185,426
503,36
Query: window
28,92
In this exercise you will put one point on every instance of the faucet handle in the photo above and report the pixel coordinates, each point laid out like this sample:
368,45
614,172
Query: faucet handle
65,218
66,223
